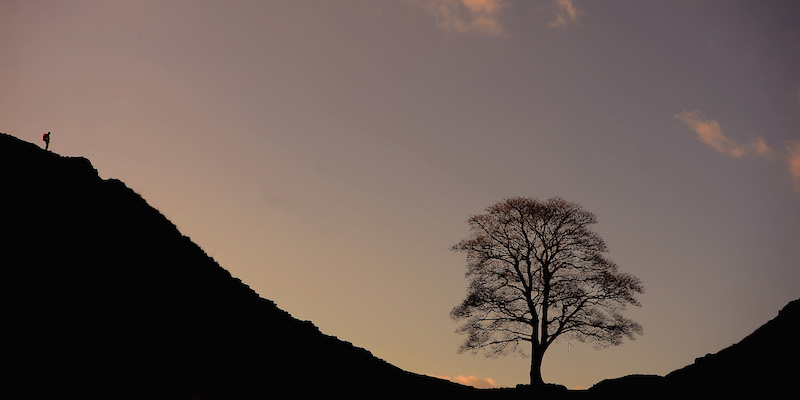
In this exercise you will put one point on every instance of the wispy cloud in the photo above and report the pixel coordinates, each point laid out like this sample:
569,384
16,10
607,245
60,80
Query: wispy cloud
793,162
709,132
472,380
566,13
469,16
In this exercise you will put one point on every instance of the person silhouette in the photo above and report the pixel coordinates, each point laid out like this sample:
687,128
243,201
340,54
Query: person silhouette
46,138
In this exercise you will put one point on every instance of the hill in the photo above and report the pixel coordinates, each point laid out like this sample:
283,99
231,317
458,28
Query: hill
763,365
105,298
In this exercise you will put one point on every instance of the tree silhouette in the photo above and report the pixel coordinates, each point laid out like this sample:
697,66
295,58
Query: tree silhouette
537,272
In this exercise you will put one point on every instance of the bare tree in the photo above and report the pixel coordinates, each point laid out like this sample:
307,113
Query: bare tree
538,272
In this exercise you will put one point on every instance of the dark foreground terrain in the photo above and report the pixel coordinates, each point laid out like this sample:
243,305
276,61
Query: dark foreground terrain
105,298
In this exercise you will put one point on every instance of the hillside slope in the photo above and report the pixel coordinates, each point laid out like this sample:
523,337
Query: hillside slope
105,298
763,365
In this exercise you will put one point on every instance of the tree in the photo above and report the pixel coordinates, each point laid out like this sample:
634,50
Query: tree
538,272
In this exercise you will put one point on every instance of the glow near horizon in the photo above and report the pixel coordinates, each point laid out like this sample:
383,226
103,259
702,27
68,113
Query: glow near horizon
328,153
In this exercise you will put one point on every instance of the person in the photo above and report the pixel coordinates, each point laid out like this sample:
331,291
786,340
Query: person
46,138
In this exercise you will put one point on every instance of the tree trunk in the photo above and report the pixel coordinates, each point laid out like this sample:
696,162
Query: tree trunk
539,346
536,366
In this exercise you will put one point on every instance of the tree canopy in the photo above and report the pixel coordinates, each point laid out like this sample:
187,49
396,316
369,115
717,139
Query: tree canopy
538,272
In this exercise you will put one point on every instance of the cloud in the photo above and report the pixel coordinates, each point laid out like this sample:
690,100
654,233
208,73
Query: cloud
472,380
793,162
468,16
709,132
566,13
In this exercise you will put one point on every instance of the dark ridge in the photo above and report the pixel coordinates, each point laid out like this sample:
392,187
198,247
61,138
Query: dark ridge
630,387
763,365
107,299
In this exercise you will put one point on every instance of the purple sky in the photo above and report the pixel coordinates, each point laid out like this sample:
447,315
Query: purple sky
328,153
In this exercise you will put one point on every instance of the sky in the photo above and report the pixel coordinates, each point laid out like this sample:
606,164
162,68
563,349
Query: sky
329,153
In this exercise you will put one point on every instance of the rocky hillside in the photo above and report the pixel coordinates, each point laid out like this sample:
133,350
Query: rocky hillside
105,298
761,366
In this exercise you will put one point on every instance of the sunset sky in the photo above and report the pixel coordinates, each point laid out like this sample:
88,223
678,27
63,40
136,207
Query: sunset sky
329,153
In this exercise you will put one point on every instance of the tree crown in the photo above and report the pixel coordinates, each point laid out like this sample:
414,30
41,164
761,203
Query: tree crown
538,271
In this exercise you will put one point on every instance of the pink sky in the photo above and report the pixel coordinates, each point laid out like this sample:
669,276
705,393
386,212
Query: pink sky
328,153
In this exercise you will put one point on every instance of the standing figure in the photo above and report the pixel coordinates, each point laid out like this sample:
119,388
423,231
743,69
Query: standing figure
46,138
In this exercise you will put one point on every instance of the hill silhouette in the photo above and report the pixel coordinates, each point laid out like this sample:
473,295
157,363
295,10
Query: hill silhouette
763,365
105,298
109,300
